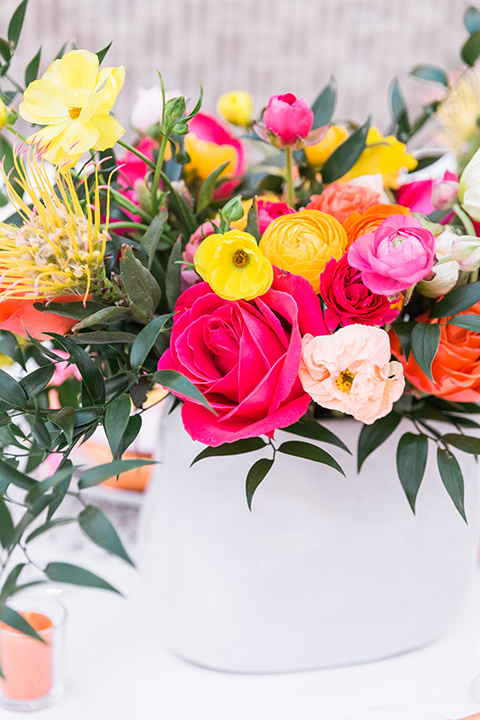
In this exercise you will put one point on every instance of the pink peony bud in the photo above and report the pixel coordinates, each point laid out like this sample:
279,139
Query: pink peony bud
288,118
444,194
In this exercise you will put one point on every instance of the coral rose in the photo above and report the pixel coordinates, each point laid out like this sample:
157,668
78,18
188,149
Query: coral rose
20,317
351,371
341,200
244,358
357,224
303,242
456,366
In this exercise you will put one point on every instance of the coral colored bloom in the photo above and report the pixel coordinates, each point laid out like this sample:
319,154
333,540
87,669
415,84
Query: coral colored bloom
397,255
348,300
340,200
236,107
268,209
73,99
288,118
357,224
234,266
351,371
455,367
418,195
303,242
20,317
384,155
318,153
243,357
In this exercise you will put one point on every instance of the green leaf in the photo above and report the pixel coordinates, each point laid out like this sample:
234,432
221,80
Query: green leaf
469,322
145,340
403,331
412,453
431,73
346,155
100,473
425,342
40,432
42,487
309,452
36,381
100,530
255,475
76,310
179,385
471,19
399,109
6,525
31,72
457,301
150,240
75,575
13,477
16,23
10,582
49,526
197,106
140,285
65,420
452,478
470,52
101,53
239,447
173,277
463,442
205,194
372,436
324,104
103,337
116,420
11,391
16,621
5,50
312,429
105,316
91,374
252,225
133,428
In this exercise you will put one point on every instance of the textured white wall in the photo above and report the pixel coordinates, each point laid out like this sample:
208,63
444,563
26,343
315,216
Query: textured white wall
265,46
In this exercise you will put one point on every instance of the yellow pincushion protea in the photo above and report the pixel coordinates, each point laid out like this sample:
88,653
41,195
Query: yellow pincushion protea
58,250
233,266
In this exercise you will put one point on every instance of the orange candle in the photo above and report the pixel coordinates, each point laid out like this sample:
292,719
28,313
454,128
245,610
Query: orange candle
27,664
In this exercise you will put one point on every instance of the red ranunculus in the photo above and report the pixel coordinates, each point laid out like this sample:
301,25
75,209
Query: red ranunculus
244,358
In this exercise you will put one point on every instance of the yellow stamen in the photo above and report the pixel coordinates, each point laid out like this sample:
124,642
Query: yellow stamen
345,380
74,112
240,258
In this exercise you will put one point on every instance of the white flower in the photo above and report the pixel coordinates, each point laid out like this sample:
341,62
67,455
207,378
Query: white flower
148,108
469,188
443,244
446,277
466,251
372,182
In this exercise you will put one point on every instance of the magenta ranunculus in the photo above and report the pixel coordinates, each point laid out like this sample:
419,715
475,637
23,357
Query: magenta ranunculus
419,195
269,211
288,117
349,301
244,358
397,255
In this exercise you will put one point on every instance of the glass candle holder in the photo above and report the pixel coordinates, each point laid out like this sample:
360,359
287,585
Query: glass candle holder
33,670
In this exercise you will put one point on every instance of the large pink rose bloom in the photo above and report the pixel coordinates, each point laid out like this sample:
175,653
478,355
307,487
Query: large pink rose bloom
288,117
397,255
243,357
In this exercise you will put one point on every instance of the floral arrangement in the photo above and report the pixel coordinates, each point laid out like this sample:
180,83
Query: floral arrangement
321,280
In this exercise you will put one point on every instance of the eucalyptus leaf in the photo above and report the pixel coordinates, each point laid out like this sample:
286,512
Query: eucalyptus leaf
90,372
457,301
105,316
431,73
412,453
346,155
13,477
116,420
36,381
255,476
100,530
471,19
75,575
471,49
179,385
372,436
468,322
31,71
463,442
425,342
100,473
11,391
452,478
173,276
309,452
324,104
16,621
312,429
239,447
145,340
6,525
16,23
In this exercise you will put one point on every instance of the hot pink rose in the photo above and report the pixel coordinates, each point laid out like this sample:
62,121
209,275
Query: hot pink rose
418,195
269,211
244,357
398,254
349,300
288,118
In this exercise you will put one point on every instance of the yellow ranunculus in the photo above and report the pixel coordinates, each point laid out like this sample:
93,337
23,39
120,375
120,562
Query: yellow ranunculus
384,155
73,100
302,243
233,266
236,107
205,156
320,152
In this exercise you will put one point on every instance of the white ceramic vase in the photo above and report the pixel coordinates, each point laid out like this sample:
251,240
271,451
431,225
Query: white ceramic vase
324,571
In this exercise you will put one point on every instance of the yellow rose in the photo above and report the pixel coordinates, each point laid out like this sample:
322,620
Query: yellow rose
233,266
384,155
320,152
302,243
236,107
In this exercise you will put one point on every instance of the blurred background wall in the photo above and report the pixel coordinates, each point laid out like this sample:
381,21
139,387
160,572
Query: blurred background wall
264,46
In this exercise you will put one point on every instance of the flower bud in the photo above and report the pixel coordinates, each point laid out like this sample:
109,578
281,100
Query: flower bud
236,107
175,108
469,188
444,194
3,114
446,277
287,118
466,251
233,210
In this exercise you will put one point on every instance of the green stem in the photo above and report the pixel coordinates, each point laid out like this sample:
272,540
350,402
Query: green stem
158,170
14,83
289,176
126,204
464,219
136,152
15,132
138,226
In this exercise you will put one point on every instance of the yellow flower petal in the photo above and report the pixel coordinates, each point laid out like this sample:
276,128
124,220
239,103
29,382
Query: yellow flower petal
382,155
109,131
78,71
205,156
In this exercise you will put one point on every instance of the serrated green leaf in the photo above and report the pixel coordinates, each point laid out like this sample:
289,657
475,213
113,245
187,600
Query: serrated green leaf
75,575
179,385
36,381
6,525
425,342
100,473
463,442
146,338
239,447
16,23
457,301
90,372
150,240
255,476
468,322
412,453
312,429
431,73
324,104
31,72
346,155
452,478
309,452
372,436
11,391
470,51
116,420
16,621
105,316
100,530
205,194
101,53
173,276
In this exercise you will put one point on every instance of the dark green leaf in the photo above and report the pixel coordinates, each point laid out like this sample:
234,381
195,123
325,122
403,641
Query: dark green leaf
430,73
471,49
10,582
101,53
103,337
91,373
324,104
36,381
425,342
372,436
173,277
11,391
150,240
76,310
100,530
452,478
457,301
312,429
234,448
197,106
412,453
49,526
100,473
6,524
179,385
255,475
40,488
469,322
75,575
133,428
145,340
116,421
14,620
16,23
309,452
5,50
471,19
205,194
346,155
404,334
140,285
105,316
252,225
61,51
13,477
31,72
399,110
40,432
463,442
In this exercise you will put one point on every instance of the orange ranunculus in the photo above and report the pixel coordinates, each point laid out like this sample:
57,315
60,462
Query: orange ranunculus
18,316
341,200
456,366
302,243
357,224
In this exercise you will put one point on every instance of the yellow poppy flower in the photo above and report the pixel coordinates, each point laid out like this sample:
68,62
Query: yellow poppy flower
73,100
384,155
205,156
233,266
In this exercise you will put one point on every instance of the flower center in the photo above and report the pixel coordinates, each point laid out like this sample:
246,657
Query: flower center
344,381
240,258
74,112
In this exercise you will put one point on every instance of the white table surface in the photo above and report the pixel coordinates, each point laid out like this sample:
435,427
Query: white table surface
118,670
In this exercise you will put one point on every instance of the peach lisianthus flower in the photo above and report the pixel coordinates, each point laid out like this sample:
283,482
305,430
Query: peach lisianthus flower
340,200
351,371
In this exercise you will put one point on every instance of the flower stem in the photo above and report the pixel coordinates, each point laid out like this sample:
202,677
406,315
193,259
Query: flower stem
464,219
138,226
136,152
289,175
158,170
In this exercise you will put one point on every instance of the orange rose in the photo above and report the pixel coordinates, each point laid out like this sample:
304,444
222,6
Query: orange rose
17,316
302,243
341,200
456,367
357,224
